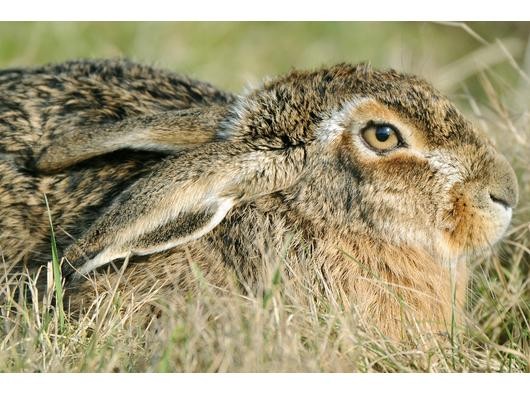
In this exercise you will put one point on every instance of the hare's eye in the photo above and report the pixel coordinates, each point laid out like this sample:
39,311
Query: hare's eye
381,137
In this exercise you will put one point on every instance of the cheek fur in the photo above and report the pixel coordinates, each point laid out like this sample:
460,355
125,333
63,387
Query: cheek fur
405,184
457,220
400,194
402,199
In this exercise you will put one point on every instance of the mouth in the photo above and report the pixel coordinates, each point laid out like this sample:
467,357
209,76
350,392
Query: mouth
501,202
476,225
500,214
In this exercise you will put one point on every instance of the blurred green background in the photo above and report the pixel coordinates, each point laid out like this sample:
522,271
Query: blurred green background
233,54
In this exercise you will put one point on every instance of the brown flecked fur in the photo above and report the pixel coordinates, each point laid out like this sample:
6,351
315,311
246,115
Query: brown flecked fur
132,158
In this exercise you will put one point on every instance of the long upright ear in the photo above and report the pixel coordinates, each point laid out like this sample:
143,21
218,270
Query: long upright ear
170,131
184,198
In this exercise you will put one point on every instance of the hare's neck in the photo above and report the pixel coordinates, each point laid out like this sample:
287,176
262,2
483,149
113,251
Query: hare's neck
384,283
388,284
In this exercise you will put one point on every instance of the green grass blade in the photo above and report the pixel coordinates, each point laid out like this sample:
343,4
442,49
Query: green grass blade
57,273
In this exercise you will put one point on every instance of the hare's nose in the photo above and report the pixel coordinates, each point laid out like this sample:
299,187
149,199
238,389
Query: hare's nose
503,188
501,201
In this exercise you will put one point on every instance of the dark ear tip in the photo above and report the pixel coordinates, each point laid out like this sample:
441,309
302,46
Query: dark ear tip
71,276
34,163
31,164
67,270
24,160
72,280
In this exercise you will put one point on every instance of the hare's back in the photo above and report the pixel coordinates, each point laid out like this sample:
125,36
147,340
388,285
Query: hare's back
35,102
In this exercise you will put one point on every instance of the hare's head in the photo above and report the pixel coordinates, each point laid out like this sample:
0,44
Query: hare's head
386,156
361,152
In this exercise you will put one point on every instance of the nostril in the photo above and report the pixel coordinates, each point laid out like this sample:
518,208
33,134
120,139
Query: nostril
500,201
502,183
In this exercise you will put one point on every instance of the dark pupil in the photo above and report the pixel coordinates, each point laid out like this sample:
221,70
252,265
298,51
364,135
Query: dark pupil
382,133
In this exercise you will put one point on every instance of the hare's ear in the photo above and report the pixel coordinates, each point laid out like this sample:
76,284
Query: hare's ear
184,198
170,131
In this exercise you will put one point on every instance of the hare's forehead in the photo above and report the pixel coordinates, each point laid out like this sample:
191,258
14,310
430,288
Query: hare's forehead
422,127
358,112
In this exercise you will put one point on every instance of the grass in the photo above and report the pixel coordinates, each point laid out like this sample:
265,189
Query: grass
293,325
56,273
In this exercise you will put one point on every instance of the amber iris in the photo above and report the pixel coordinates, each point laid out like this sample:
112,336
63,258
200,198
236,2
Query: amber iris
381,137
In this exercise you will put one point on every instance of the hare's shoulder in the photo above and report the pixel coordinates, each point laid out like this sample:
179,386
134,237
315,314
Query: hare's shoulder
111,77
76,86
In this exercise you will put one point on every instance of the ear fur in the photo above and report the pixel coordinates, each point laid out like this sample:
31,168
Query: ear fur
171,131
184,198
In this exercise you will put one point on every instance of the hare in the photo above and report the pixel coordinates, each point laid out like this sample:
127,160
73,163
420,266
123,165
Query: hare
379,176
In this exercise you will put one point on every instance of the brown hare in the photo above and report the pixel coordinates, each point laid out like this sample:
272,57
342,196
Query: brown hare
379,176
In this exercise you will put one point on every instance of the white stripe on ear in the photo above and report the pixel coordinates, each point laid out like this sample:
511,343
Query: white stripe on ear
223,207
111,253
